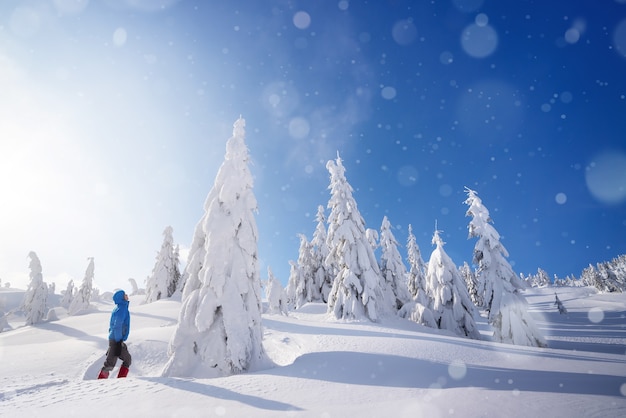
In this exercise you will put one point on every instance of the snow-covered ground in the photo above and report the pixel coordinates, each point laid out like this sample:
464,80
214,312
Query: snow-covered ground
325,368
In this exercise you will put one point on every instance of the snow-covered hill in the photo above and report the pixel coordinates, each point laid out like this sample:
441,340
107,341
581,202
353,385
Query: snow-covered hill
325,368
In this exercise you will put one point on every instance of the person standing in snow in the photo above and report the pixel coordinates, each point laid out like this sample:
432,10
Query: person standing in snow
118,333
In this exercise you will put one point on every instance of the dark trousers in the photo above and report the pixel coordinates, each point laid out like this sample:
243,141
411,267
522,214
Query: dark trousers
111,359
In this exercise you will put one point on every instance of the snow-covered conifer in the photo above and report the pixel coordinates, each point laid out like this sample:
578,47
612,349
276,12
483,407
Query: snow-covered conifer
322,277
219,329
392,269
507,308
34,304
66,300
175,276
417,267
559,305
4,322
356,291
418,308
301,286
275,294
133,286
471,282
82,298
159,283
451,305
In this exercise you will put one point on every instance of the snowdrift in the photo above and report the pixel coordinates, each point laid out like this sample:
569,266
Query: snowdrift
322,367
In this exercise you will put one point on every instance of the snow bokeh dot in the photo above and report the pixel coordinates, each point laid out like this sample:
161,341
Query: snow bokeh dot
388,92
301,20
119,37
407,175
596,315
457,370
605,177
404,32
479,40
560,198
619,38
622,389
299,128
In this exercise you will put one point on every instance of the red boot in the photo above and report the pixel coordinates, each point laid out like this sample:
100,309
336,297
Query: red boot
123,372
103,375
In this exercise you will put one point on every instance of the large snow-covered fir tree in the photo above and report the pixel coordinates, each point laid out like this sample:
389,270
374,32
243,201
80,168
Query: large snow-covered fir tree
219,328
506,307
418,308
35,298
321,275
392,269
162,282
451,304
356,291
82,299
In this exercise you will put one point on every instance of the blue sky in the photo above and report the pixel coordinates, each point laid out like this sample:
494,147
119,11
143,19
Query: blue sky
115,115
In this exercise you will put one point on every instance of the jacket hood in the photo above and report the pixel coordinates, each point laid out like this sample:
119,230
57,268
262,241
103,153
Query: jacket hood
118,297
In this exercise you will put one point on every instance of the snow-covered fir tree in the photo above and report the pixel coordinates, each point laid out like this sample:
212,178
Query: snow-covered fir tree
82,298
451,304
162,280
417,268
471,283
356,291
66,300
321,276
219,328
418,308
4,322
173,284
392,269
301,287
275,295
506,307
36,296
559,305
372,238
133,286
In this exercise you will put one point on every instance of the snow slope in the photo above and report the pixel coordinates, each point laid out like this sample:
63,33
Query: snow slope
325,368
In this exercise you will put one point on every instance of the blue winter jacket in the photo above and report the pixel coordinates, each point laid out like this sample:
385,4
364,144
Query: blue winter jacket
120,318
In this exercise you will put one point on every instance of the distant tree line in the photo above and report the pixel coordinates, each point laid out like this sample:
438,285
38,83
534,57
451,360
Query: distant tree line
607,276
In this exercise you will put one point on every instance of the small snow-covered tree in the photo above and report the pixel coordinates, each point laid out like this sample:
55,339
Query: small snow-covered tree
159,283
173,284
417,268
451,305
301,287
559,305
34,304
133,286
471,282
82,298
219,328
4,322
275,294
66,300
418,308
506,307
356,291
322,278
392,269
